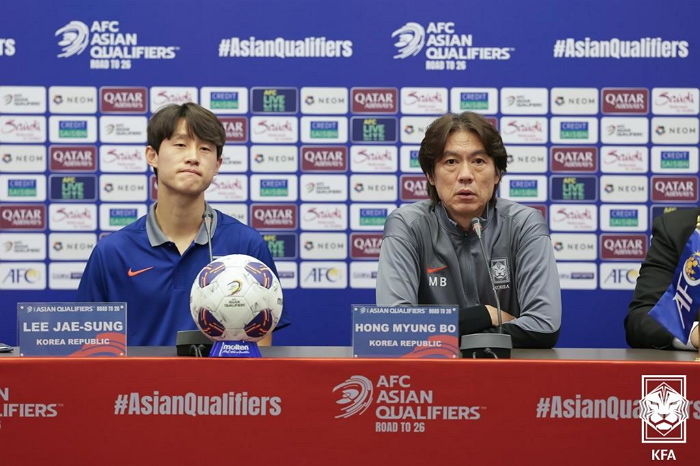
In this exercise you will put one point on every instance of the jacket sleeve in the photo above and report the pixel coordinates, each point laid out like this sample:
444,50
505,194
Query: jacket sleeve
655,275
537,284
398,275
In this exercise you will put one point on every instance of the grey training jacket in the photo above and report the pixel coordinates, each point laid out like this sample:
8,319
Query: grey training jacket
427,259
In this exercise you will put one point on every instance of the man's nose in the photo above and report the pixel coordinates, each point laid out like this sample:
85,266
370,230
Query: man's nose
465,173
192,155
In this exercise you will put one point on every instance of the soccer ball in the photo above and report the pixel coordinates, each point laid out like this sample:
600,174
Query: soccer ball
236,297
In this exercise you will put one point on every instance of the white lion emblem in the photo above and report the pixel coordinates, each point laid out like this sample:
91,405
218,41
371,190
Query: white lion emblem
663,409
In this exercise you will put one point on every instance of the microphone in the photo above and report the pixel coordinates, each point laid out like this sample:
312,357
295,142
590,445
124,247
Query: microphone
487,345
476,225
208,215
194,342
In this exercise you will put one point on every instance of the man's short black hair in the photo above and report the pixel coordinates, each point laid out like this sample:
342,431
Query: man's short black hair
200,122
433,144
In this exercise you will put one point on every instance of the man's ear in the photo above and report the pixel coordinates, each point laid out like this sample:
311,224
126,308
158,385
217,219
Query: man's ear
219,161
151,157
430,179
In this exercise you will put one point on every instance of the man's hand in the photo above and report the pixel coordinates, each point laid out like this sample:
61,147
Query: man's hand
493,313
695,337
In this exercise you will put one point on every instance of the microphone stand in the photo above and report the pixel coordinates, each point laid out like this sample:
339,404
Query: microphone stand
487,345
194,342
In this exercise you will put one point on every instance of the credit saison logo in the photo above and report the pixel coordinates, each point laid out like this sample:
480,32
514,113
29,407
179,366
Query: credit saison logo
109,47
122,217
280,47
443,46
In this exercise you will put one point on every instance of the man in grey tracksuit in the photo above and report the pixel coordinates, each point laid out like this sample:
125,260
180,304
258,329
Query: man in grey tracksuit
431,255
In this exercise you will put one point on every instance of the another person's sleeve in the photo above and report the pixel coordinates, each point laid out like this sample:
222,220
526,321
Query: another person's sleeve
655,275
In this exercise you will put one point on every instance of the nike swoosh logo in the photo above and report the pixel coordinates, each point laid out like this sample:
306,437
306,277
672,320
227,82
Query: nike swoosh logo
435,269
133,273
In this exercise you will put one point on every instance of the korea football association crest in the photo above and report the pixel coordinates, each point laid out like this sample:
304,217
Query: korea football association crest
500,272
663,409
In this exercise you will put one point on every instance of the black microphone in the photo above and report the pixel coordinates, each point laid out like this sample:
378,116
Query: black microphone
208,215
487,345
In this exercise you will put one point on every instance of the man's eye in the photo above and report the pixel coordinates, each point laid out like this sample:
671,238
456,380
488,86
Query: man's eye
479,161
205,148
450,162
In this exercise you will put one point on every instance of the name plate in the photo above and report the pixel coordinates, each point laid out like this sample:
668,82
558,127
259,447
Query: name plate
405,331
72,329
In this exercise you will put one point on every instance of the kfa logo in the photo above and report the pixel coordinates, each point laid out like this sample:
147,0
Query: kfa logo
500,273
664,409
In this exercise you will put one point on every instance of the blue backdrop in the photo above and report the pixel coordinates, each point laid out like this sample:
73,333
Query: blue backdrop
196,34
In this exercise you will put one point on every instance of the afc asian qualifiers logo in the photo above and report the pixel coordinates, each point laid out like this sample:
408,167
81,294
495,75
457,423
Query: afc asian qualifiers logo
355,396
663,409
410,40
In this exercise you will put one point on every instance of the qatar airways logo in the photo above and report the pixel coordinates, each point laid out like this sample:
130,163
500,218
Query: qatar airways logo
374,100
365,245
325,158
22,217
236,128
274,217
414,188
73,158
574,159
625,101
623,247
674,189
123,100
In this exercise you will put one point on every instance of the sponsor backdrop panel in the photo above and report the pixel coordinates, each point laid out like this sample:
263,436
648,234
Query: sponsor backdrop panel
318,144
